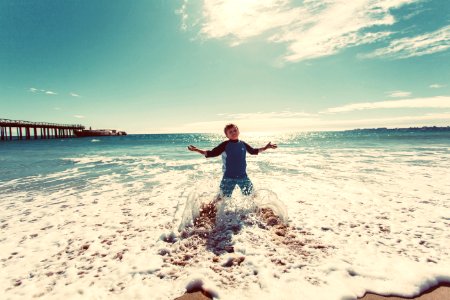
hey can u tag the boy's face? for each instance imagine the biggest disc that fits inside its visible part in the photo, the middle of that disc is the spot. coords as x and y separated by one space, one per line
232 133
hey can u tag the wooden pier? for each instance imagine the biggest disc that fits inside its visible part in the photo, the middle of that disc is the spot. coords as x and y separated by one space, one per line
35 130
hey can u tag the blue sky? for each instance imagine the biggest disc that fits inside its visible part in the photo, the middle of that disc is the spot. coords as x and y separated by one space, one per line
192 66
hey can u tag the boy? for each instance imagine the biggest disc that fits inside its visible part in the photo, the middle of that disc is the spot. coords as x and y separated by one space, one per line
234 164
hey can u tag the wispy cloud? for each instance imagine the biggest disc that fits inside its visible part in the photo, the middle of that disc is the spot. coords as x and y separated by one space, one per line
428 43
79 116
430 102
264 115
41 91
51 93
436 86
399 94
309 29
184 14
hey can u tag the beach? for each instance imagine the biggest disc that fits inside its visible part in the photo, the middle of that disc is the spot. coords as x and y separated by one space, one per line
104 218
439 292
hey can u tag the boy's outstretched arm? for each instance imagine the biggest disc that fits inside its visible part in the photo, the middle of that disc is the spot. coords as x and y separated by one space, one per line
268 146
195 149
255 151
210 153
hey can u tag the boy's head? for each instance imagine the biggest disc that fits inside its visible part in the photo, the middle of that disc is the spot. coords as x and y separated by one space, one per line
231 131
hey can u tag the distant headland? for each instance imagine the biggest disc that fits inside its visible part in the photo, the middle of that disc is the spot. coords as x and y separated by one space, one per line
423 128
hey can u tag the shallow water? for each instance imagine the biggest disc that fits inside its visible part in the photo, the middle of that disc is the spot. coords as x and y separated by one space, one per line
371 208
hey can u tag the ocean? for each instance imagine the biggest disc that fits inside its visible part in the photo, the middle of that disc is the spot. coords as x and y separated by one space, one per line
103 217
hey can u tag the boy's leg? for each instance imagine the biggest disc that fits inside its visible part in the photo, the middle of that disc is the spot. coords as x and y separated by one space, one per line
226 187
246 186
208 211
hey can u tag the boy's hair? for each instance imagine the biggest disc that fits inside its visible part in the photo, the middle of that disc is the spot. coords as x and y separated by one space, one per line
228 126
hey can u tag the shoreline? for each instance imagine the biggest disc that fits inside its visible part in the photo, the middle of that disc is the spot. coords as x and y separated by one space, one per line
437 292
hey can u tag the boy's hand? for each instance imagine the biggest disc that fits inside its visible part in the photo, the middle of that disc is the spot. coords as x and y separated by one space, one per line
195 149
270 146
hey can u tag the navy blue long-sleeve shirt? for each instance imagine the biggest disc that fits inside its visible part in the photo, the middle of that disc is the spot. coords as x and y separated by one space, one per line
233 157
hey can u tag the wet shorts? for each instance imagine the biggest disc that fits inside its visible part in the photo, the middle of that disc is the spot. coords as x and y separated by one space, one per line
227 186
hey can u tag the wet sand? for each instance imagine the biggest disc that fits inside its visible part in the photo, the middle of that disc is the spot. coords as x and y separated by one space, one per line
440 292
194 296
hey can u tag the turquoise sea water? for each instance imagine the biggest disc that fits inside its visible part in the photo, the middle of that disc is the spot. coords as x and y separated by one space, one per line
19 159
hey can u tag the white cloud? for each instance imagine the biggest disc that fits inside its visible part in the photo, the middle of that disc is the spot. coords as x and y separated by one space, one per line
428 43
310 28
244 19
79 116
57 108
184 15
307 124
430 102
41 91
264 115
399 94
48 92
291 121
436 86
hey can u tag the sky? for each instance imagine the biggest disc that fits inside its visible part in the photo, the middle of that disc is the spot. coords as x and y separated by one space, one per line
161 66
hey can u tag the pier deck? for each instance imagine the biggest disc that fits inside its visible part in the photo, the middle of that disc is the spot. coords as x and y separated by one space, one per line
28 130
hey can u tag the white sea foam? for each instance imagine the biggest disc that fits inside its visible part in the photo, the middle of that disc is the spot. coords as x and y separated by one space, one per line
371 219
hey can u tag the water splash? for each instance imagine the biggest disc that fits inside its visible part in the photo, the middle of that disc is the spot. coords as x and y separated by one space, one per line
238 205
265 198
